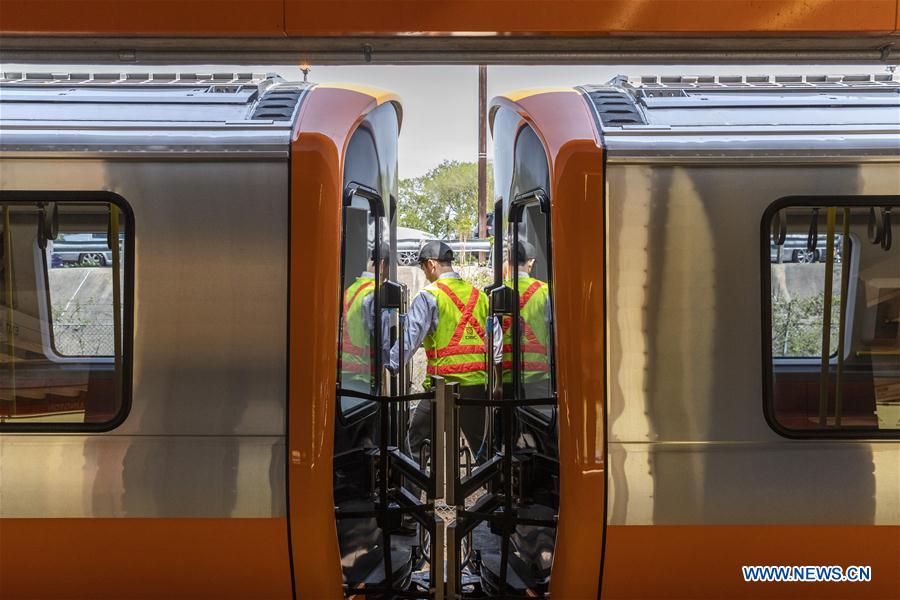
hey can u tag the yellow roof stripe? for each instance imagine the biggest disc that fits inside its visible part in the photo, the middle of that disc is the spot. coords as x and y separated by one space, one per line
519 94
381 96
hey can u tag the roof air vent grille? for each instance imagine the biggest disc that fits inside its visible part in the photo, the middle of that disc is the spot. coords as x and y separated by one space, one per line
614 108
277 104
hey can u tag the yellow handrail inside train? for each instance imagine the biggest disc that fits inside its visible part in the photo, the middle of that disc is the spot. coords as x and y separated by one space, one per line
826 317
842 317
8 300
117 293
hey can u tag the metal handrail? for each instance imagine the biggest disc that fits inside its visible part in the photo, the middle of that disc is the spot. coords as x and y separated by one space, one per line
842 317
826 317
113 240
8 300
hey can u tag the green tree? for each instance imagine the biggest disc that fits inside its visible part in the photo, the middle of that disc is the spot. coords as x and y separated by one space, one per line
444 201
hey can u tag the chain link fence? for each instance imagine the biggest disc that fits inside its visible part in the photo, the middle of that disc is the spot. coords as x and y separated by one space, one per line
80 339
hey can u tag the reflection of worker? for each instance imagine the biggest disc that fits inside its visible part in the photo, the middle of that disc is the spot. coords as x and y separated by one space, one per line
357 356
448 317
534 328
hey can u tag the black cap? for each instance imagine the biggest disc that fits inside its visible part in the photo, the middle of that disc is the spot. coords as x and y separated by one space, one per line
435 250
385 252
525 251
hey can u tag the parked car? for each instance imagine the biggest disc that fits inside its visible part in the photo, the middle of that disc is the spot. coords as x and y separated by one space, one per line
82 249
490 227
794 249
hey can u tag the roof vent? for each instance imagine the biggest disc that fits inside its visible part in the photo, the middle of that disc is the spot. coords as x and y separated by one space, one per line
277 104
614 108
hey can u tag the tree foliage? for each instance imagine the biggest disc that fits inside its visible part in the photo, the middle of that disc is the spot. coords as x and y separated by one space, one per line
444 201
797 326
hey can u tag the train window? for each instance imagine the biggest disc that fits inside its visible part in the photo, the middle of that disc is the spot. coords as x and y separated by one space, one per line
798 297
832 317
78 270
65 311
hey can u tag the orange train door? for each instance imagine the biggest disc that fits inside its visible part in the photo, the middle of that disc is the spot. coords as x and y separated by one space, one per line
530 517
342 134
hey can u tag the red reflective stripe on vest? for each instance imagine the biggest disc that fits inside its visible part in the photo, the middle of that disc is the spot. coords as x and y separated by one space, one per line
456 369
351 367
348 347
349 303
524 298
454 351
533 342
528 365
466 318
533 347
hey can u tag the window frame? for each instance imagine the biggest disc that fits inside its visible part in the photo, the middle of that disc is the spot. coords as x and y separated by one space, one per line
768 379
76 197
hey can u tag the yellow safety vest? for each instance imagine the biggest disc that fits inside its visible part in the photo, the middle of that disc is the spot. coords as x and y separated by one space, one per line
357 357
456 350
535 345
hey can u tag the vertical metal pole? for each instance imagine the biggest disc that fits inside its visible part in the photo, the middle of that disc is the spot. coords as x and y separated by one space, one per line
438 428
842 318
451 449
8 300
826 318
482 152
509 412
114 226
384 424
453 563
436 577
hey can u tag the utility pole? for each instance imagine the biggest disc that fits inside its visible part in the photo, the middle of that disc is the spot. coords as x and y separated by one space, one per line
482 151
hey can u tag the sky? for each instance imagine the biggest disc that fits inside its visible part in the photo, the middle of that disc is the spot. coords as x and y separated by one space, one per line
440 102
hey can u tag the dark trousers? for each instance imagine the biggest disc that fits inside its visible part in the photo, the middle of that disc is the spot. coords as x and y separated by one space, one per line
472 421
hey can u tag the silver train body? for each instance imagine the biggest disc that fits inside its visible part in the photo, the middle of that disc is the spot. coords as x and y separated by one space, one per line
686 189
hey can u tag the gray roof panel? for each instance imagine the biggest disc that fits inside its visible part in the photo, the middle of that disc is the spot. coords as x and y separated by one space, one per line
147 100
725 102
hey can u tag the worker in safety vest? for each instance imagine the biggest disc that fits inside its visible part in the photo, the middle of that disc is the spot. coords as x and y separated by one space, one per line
358 324
449 317
534 327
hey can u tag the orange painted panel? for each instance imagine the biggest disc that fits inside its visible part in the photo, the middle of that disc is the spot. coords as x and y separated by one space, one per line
591 17
144 558
562 121
191 18
327 120
704 561
384 17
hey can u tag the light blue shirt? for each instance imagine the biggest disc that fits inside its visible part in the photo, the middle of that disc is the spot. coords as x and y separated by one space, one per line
422 319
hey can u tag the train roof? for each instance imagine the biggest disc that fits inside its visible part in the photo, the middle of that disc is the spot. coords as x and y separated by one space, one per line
142 98
844 118
228 113
743 100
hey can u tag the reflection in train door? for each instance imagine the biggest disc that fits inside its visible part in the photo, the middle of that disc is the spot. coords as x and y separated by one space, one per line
548 293
344 181
505 531
382 496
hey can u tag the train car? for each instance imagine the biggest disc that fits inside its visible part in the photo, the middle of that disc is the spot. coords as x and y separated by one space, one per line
209 413
146 403
718 406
